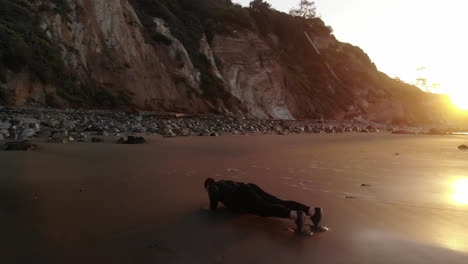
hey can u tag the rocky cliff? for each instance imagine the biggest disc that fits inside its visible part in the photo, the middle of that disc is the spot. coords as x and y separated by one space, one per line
203 56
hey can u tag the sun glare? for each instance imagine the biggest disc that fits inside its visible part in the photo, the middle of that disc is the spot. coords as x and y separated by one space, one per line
461 191
460 99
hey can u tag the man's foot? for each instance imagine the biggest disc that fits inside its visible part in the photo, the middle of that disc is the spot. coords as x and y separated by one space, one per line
300 222
317 217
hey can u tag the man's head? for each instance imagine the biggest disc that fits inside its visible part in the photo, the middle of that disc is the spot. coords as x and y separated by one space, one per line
209 182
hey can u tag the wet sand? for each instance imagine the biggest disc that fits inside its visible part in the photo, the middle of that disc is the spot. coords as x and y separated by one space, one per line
108 203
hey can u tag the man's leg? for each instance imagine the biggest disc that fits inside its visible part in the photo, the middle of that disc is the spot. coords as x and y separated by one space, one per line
274 200
255 204
315 213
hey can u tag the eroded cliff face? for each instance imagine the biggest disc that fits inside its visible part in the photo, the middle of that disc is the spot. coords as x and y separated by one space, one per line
253 74
103 42
108 49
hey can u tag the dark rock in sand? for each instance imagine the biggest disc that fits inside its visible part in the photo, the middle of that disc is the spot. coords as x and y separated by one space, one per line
463 147
365 185
371 129
131 140
403 132
20 146
62 140
436 132
97 140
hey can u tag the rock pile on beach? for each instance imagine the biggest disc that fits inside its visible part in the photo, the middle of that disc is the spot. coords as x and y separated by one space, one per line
63 126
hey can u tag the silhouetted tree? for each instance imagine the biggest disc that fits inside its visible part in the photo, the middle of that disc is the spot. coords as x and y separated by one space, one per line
306 9
260 6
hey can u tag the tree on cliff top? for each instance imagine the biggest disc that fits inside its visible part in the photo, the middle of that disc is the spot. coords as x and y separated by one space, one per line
306 9
260 6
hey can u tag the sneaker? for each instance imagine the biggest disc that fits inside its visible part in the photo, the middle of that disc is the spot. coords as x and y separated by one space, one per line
317 217
300 222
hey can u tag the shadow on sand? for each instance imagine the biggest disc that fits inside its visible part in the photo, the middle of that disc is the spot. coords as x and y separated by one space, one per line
204 236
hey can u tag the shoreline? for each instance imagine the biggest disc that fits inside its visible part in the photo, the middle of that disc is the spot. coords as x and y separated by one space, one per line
65 126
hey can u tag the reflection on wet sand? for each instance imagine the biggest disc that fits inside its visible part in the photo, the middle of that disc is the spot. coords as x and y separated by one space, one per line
460 195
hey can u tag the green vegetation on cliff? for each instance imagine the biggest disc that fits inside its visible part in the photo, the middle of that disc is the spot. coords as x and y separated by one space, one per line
24 45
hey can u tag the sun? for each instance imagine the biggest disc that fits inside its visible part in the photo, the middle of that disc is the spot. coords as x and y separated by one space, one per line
460 99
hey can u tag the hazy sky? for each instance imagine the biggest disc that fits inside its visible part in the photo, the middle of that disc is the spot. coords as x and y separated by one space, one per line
401 36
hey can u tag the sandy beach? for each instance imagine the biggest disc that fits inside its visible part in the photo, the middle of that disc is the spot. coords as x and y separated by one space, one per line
110 203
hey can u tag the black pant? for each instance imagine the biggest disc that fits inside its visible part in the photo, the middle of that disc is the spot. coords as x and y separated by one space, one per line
258 202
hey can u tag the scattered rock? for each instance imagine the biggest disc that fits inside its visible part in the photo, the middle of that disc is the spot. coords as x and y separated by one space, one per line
24 145
18 122
233 170
131 140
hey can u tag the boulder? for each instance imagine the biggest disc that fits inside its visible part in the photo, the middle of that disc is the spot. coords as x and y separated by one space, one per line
52 123
131 140
27 133
5 125
463 147
69 125
24 145
436 132
371 129
45 133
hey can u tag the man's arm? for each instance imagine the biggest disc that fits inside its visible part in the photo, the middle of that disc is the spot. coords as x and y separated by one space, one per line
213 194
